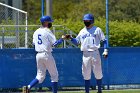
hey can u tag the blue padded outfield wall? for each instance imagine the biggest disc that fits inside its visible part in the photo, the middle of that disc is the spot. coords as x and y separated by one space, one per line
18 67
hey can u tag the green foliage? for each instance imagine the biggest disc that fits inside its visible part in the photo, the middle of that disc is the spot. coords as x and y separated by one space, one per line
124 10
33 7
124 16
120 33
75 9
75 26
124 33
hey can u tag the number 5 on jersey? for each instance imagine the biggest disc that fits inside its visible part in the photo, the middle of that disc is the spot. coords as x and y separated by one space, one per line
39 39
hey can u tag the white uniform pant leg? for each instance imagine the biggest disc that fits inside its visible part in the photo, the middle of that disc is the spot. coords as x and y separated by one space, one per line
45 61
86 66
96 65
41 67
52 69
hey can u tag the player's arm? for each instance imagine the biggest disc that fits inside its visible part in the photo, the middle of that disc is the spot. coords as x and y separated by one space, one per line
74 41
57 42
33 44
104 41
53 40
105 53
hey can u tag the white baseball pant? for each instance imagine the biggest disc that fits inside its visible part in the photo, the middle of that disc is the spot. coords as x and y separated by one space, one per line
91 62
45 61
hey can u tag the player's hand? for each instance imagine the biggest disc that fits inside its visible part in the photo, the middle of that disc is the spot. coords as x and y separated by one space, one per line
67 36
105 53
63 37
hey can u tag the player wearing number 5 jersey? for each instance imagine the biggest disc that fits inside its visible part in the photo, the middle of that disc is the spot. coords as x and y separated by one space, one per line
90 37
44 39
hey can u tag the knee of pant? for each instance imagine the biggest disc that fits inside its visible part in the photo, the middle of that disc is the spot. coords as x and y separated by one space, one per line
54 78
86 76
40 78
99 76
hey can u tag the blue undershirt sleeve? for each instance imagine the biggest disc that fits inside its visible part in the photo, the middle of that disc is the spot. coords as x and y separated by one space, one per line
58 42
105 44
74 41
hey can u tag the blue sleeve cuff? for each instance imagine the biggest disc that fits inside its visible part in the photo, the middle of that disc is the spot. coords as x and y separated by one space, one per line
74 41
105 44
58 42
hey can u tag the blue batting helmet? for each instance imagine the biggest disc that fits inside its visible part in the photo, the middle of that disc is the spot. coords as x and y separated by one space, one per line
46 19
88 17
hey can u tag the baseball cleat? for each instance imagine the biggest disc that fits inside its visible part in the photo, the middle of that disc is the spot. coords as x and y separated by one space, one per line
25 89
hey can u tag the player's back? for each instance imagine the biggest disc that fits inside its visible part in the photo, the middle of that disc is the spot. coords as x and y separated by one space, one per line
43 39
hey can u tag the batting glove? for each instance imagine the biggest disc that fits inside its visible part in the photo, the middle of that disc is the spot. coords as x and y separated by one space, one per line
105 53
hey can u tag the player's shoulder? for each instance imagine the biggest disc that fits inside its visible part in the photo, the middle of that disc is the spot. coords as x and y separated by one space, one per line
82 30
48 30
37 30
98 29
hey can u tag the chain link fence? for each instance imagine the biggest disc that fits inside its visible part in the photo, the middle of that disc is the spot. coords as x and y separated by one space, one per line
10 39
12 16
16 33
9 35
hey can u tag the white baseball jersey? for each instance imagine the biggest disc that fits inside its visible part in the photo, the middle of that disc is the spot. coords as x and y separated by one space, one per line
90 38
43 39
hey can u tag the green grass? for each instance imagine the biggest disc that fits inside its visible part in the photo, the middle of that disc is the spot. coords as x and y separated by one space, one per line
105 91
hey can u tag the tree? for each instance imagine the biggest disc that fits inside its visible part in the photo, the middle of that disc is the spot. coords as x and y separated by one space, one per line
124 10
33 8
75 9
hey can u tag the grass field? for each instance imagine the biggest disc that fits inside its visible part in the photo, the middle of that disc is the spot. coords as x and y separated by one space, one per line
82 91
94 91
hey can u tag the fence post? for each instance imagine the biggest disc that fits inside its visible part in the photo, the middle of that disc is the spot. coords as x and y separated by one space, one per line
54 30
2 45
26 33
17 29
108 76
107 36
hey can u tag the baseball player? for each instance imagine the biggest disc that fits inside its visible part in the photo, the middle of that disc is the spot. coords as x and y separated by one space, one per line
90 37
44 39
